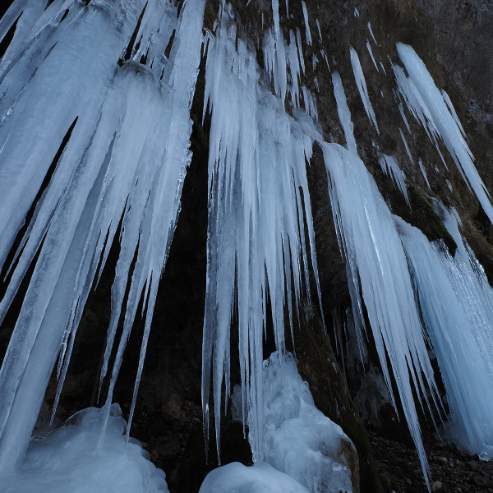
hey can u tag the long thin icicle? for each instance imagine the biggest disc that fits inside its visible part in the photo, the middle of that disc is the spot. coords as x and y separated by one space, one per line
359 76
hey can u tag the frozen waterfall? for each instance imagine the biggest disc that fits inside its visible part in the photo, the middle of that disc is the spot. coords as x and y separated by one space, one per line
95 127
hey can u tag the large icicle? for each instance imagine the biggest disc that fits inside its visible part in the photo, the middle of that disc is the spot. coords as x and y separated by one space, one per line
125 154
433 108
378 276
259 207
457 306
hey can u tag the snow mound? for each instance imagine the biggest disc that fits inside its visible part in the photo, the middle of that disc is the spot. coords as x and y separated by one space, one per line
72 459
259 478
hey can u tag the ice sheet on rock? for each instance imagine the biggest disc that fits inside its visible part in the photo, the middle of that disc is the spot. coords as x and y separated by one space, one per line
433 108
390 166
68 460
456 302
259 478
259 207
359 76
298 439
126 128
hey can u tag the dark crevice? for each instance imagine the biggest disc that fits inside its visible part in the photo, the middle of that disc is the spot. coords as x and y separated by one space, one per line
4 6
167 50
64 15
130 47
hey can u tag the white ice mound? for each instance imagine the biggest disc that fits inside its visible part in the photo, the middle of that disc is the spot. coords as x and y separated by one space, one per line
259 478
70 461
299 439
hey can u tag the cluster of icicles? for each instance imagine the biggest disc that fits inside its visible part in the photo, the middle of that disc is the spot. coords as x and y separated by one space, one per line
95 131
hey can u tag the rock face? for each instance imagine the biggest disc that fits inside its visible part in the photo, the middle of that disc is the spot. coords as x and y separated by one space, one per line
455 39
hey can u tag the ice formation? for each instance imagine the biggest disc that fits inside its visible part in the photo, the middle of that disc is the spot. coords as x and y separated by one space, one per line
95 124
299 440
372 56
457 305
390 167
378 276
379 280
259 478
434 110
422 170
118 139
68 460
259 206
362 87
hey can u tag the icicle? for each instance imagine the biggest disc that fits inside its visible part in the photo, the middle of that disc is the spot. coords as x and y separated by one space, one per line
435 111
308 33
343 112
319 29
372 56
378 276
456 301
406 146
422 169
370 30
116 161
390 167
404 118
257 218
362 88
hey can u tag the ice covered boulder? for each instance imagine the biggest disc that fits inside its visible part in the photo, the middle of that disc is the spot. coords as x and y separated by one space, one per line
299 440
259 478
70 461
